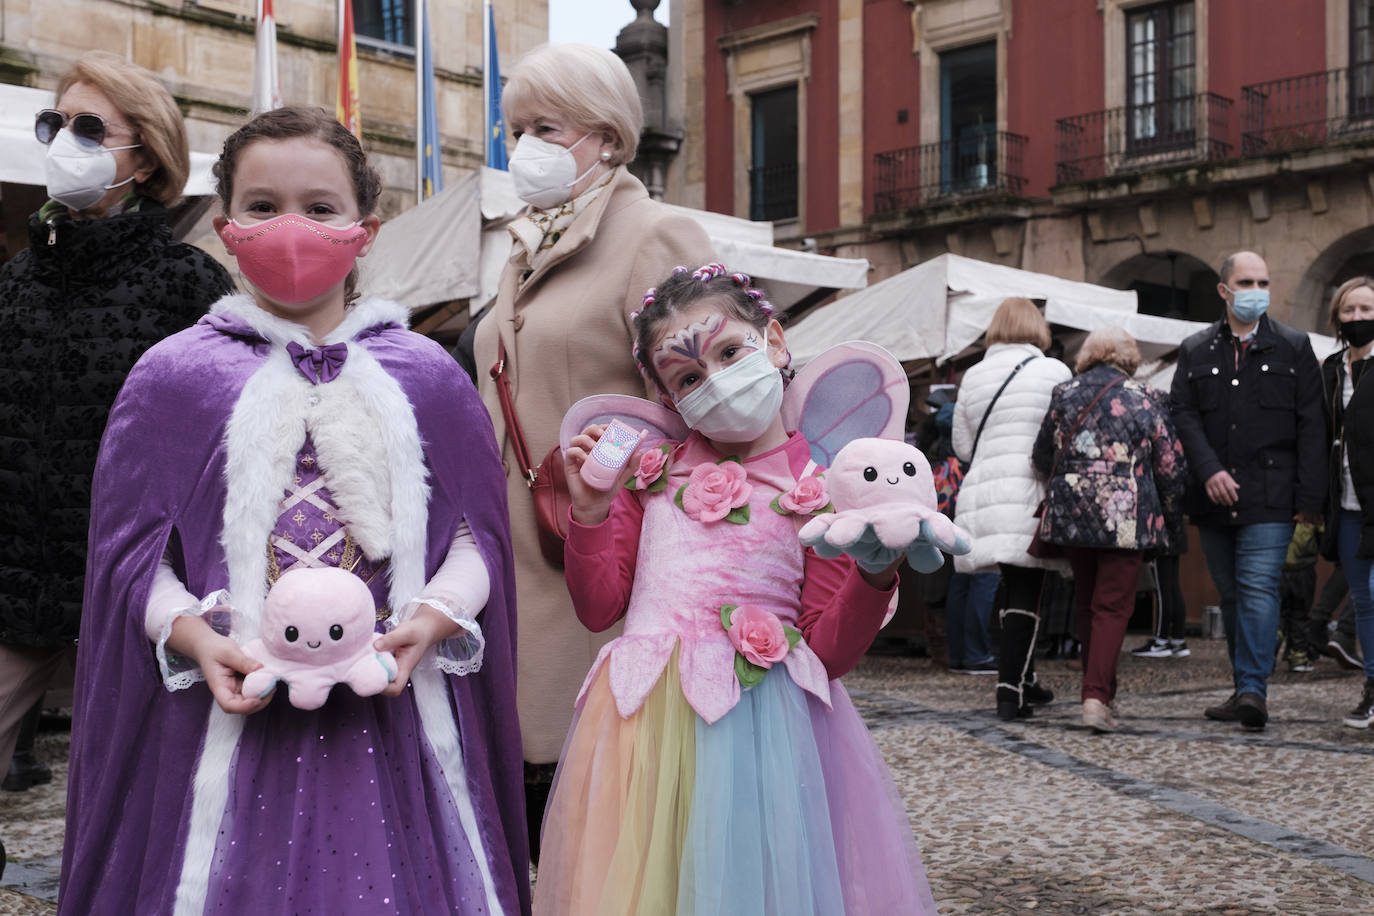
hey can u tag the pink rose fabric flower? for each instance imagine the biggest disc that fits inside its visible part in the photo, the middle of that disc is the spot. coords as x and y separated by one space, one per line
651 465
758 635
809 495
714 490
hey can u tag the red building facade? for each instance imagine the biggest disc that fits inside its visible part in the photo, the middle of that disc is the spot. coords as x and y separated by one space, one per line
1128 142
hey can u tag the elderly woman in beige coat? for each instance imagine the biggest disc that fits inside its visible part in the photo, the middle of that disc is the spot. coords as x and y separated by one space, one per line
590 244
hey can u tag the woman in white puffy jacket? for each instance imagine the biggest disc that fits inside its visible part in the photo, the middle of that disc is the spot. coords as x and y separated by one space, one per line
1000 491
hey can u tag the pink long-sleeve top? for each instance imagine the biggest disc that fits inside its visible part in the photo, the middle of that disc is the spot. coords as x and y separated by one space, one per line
668 574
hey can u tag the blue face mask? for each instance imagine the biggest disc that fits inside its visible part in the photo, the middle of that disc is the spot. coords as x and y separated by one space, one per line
1249 304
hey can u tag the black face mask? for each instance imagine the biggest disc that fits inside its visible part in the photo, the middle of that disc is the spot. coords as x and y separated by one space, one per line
1358 333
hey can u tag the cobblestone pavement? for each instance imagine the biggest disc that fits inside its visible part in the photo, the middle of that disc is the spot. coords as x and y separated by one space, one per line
1172 814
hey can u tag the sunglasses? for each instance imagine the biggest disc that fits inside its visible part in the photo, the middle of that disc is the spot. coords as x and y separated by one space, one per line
88 129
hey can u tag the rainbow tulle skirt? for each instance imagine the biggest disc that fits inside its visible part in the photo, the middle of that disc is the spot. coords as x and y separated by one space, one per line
783 807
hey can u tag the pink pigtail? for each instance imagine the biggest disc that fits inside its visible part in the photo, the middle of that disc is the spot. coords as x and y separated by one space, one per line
764 305
650 295
708 272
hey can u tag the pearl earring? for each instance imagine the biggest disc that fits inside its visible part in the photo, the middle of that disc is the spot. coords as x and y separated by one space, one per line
606 157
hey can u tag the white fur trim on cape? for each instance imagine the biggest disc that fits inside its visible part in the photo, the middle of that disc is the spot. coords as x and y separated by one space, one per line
265 432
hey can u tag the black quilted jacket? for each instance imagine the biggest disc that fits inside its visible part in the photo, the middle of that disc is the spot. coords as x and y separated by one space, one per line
77 309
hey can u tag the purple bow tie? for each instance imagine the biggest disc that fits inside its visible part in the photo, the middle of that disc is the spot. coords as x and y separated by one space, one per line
318 364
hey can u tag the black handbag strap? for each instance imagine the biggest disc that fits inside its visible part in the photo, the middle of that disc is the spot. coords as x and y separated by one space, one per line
992 404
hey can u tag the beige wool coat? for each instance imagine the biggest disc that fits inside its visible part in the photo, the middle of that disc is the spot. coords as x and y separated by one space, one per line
567 333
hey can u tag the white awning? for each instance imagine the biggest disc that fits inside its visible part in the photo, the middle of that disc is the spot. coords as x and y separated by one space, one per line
936 309
428 254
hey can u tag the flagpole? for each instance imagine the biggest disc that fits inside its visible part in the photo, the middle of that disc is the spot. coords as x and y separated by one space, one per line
419 100
486 79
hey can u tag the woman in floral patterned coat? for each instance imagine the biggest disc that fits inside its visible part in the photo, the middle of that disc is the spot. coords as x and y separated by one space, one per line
1116 471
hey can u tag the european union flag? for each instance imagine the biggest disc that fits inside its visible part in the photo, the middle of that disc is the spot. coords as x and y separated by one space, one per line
433 171
496 127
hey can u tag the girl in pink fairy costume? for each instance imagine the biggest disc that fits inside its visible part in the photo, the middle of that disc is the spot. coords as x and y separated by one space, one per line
714 764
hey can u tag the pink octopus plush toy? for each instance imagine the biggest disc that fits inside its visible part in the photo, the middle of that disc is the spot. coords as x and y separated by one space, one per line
317 631
885 506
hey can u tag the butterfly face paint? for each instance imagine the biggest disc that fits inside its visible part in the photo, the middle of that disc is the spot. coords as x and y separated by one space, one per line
686 347
718 373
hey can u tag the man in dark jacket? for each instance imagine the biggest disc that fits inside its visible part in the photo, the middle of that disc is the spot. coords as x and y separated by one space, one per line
1247 403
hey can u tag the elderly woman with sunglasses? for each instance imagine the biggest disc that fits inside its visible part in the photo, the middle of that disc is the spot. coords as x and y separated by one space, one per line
101 281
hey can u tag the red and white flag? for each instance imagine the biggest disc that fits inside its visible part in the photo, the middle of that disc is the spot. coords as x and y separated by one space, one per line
266 84
346 107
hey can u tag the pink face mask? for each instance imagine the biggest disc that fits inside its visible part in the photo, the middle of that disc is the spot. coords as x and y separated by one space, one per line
292 258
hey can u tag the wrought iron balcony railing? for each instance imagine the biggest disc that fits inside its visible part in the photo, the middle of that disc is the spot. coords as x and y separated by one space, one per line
1302 112
773 192
986 162
1139 138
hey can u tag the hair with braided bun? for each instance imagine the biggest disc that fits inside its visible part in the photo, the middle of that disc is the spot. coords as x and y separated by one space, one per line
684 289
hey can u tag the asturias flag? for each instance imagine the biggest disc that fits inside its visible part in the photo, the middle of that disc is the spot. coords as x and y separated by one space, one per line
346 108
496 135
266 85
433 171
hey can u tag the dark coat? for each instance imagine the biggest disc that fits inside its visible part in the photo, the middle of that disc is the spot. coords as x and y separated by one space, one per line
1350 427
1121 473
1257 414
77 309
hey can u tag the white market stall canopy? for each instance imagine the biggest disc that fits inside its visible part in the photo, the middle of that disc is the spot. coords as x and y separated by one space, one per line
937 309
791 277
21 155
412 251
428 253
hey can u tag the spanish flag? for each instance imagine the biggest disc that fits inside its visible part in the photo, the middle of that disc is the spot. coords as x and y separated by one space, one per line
346 108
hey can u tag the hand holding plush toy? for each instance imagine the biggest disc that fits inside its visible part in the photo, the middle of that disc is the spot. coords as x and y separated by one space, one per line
885 506
317 632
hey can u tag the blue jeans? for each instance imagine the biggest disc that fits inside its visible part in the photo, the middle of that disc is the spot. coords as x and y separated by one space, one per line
1245 562
1358 573
968 613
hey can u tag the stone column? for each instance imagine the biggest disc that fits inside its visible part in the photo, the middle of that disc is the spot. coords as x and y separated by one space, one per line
643 45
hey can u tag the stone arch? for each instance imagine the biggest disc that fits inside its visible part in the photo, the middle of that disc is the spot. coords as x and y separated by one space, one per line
1171 283
1348 256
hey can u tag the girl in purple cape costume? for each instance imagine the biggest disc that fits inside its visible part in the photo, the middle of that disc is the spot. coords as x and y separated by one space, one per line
407 805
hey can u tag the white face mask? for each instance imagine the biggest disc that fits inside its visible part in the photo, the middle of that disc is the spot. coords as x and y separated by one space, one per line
738 403
544 173
78 176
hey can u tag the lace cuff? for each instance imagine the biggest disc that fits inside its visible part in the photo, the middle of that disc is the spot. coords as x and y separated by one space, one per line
178 671
460 654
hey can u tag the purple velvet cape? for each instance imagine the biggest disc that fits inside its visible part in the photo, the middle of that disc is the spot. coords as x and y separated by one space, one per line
135 746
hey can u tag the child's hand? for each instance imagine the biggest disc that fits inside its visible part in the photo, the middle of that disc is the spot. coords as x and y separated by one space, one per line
883 579
411 640
221 661
590 506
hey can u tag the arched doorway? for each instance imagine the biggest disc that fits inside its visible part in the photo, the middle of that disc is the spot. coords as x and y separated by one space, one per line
1169 283
1349 256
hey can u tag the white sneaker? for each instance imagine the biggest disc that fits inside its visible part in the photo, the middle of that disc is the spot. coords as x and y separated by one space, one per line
1155 648
1178 649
